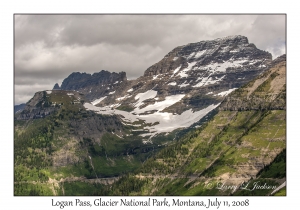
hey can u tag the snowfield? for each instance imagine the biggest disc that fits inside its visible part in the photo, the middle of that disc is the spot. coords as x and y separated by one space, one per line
144 96
161 105
167 121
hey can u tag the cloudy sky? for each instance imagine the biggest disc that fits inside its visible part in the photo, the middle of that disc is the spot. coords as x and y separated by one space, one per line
48 48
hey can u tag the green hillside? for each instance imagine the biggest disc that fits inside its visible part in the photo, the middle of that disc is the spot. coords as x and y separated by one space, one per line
71 144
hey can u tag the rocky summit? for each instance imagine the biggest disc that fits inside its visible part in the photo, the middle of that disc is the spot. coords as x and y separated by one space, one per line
56 87
233 53
94 85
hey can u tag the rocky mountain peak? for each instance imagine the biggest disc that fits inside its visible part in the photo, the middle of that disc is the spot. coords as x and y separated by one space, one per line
45 102
77 80
236 39
56 87
203 53
93 85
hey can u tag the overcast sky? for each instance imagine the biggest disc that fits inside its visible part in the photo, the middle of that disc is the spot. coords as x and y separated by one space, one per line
48 48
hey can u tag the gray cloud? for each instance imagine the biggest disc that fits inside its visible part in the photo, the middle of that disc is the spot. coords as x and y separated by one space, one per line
50 47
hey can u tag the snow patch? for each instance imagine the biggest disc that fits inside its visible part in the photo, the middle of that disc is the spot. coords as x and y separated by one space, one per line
208 81
144 96
113 92
183 73
225 49
161 105
200 53
184 84
128 117
172 83
155 77
121 98
221 67
114 105
175 71
98 100
191 55
130 90
117 135
225 93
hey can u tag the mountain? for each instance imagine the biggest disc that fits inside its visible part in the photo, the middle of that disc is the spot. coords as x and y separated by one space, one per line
47 102
19 108
95 85
56 87
189 82
185 117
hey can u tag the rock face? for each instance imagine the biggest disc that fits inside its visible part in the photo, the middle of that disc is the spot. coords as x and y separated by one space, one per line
208 68
44 103
268 92
234 53
94 85
37 107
